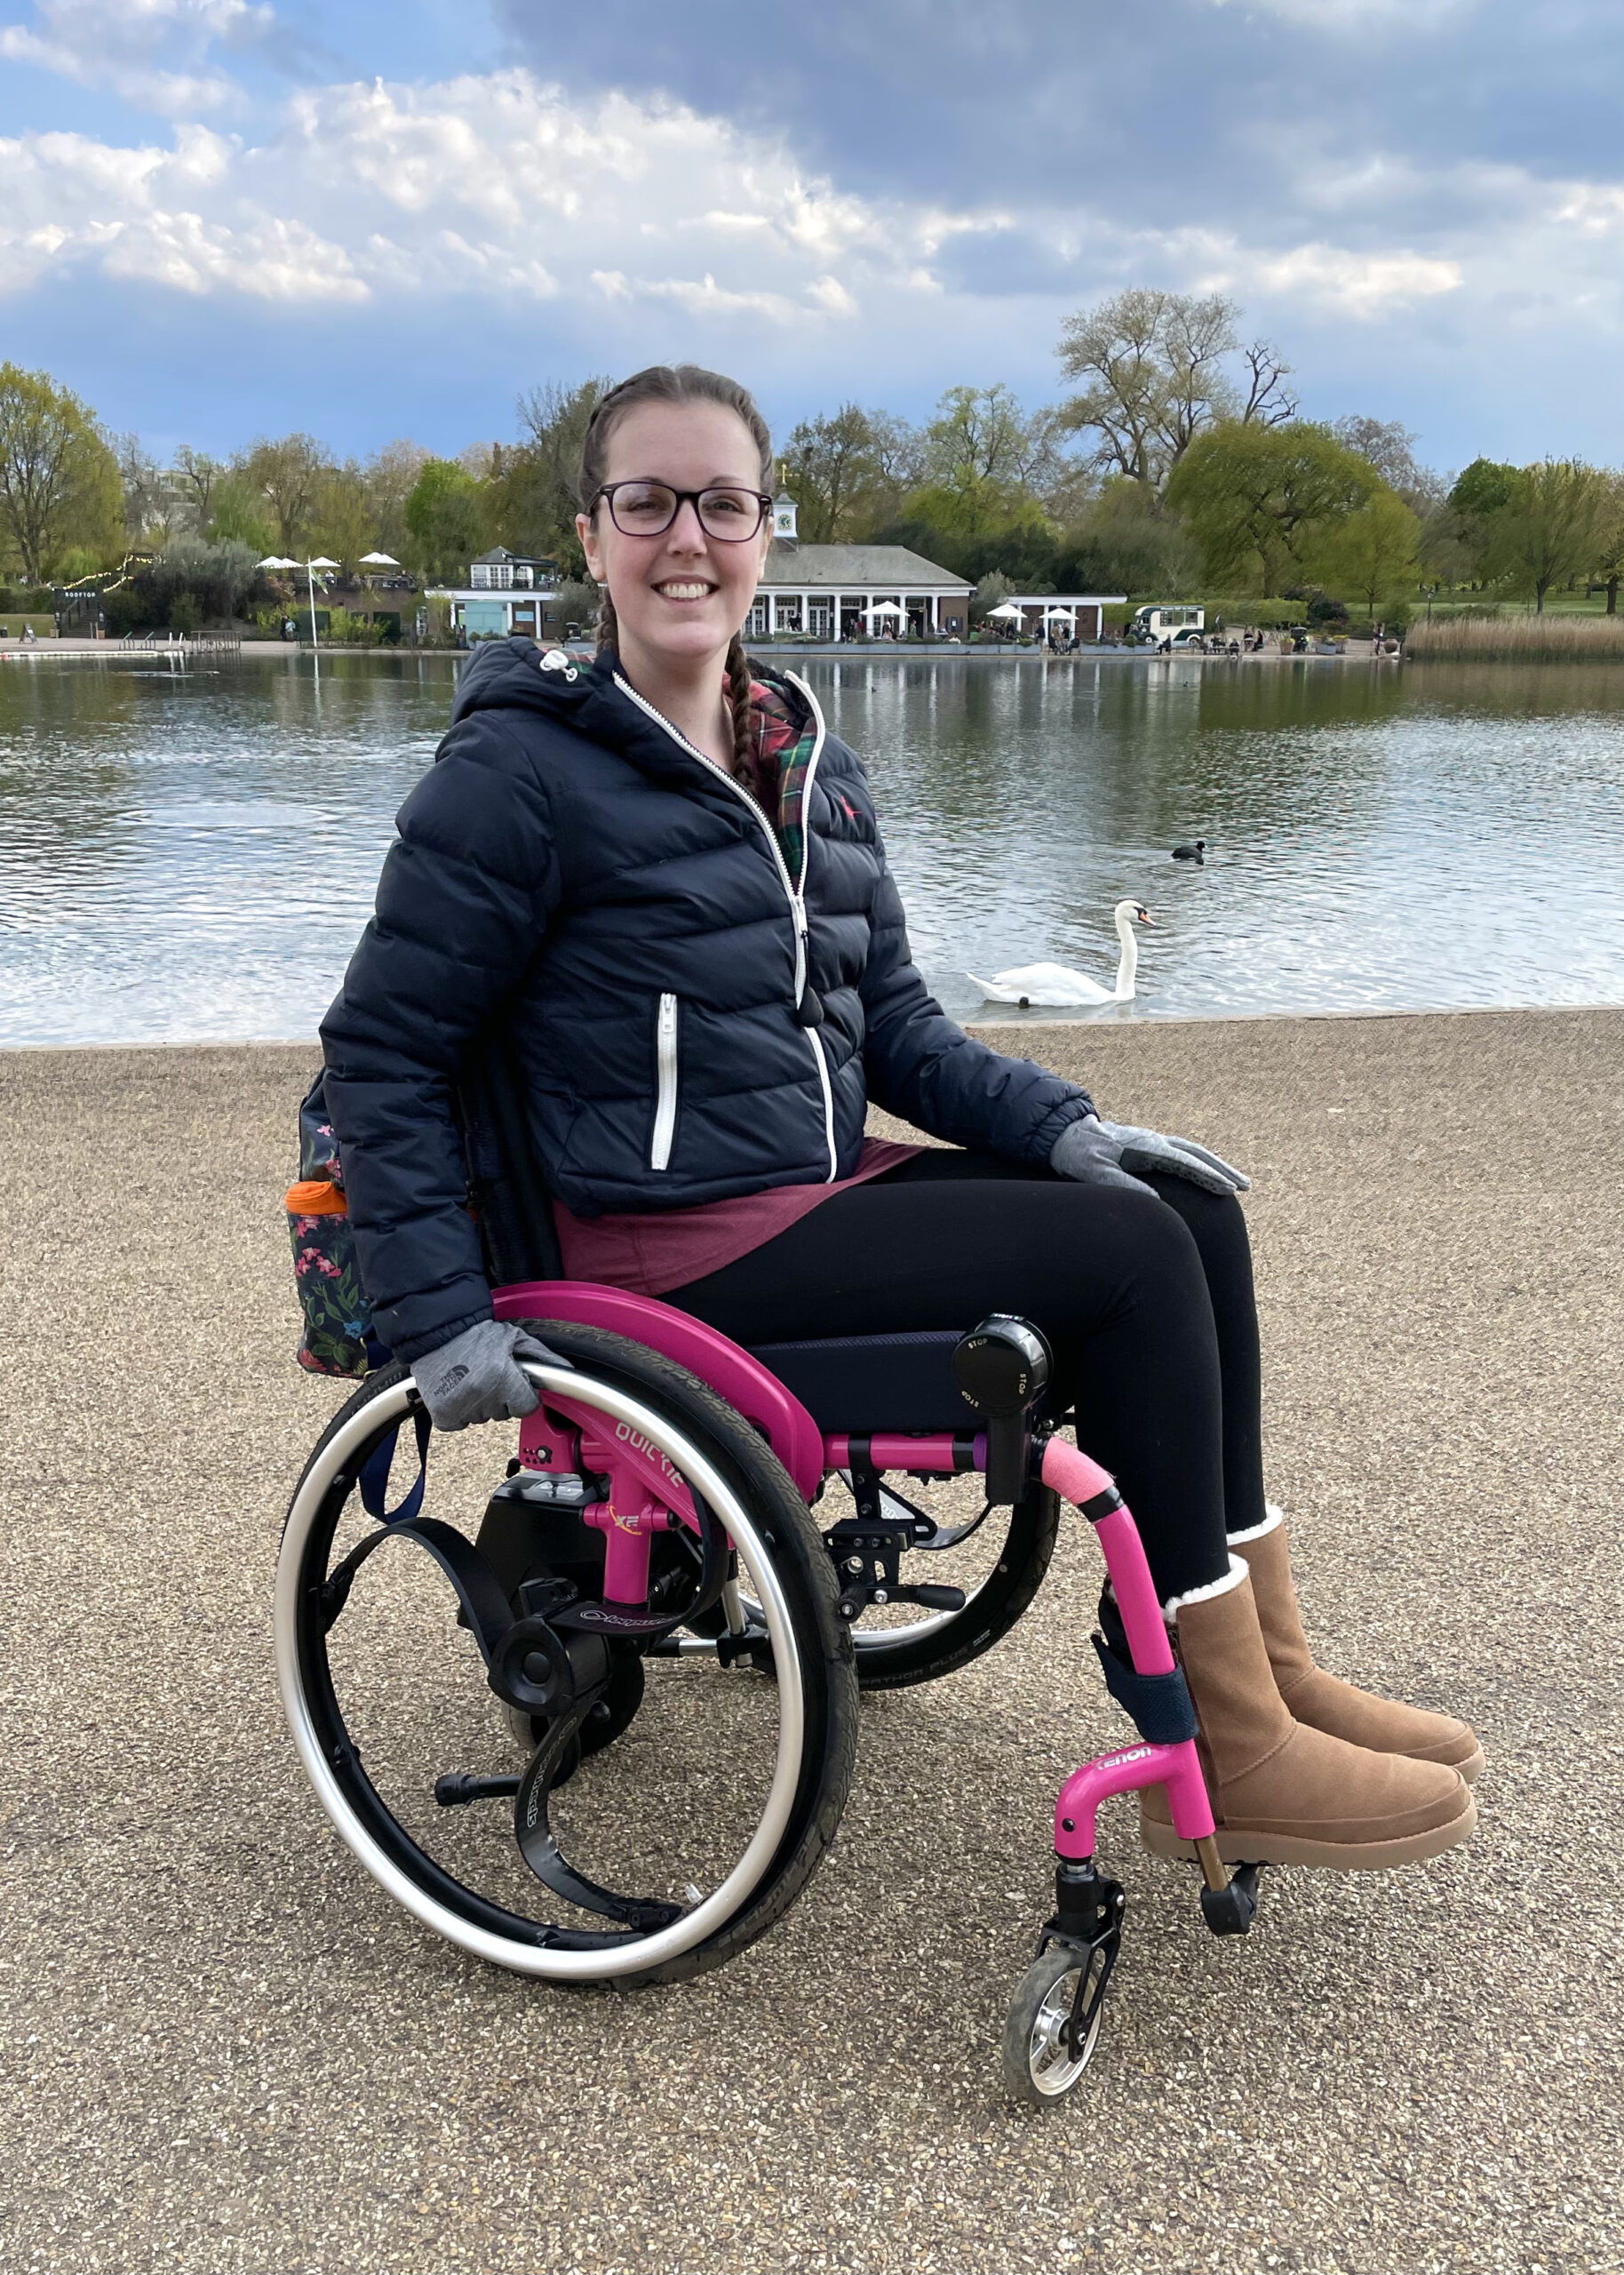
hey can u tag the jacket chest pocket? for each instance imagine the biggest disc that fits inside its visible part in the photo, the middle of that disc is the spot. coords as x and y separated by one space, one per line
666 1080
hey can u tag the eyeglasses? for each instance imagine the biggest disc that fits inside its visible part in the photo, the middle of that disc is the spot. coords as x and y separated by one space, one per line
649 509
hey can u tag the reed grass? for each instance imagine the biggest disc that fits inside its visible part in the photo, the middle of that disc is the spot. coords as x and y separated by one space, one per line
1519 639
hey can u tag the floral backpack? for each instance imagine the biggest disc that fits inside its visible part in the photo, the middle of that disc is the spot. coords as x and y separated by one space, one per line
338 1337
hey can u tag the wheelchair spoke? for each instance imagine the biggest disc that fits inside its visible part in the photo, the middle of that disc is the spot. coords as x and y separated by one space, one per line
402 1674
541 1852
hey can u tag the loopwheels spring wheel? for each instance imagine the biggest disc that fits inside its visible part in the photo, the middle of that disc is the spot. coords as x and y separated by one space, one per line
688 1835
1053 2022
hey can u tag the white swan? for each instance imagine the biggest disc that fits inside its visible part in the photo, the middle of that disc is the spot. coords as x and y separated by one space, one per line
1054 987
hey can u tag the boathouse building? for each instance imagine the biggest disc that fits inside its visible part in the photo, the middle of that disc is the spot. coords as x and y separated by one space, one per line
807 592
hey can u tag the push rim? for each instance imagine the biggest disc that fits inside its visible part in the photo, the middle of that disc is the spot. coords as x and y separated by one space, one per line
358 1812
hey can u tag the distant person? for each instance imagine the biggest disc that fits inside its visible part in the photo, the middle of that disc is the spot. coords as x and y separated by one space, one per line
531 900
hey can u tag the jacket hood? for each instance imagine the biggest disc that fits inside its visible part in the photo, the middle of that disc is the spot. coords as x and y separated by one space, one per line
516 674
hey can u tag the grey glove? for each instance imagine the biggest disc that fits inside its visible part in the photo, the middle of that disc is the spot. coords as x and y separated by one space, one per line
476 1376
1093 1152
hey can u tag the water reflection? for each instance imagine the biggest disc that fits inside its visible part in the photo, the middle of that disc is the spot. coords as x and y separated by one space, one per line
192 855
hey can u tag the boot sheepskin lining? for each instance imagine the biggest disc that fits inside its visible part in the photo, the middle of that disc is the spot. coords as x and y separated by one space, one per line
1273 1520
1238 1571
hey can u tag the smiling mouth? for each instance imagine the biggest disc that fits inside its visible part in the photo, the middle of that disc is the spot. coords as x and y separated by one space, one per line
684 588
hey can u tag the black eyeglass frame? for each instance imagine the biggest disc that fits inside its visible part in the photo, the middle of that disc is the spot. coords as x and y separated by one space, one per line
606 490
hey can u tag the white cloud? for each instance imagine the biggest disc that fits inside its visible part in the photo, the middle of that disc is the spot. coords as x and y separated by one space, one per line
1357 24
495 183
1365 285
499 187
133 47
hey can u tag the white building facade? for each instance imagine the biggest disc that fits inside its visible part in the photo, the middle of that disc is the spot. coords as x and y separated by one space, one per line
853 592
1075 616
505 593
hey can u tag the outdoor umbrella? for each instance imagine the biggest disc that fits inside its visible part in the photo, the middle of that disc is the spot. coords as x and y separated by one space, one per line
379 561
1008 609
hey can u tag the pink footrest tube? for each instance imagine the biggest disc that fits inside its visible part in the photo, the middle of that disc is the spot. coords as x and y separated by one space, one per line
1071 1473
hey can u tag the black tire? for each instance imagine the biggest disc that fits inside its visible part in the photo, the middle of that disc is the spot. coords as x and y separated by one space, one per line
923 1652
1038 2070
796 1557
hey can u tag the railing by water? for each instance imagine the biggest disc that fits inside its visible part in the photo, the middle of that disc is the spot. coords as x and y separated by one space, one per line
189 643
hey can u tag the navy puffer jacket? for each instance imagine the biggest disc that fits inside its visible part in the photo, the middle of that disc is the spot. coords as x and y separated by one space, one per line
684 1017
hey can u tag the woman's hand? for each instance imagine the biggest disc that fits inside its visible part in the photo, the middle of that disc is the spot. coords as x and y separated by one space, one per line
1092 1152
476 1376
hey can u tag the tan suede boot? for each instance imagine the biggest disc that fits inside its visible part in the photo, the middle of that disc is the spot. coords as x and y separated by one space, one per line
1321 1700
1283 1793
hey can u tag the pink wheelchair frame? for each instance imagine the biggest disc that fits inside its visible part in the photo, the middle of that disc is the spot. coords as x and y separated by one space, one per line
642 1501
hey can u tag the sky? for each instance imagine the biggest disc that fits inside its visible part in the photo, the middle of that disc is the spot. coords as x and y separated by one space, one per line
223 217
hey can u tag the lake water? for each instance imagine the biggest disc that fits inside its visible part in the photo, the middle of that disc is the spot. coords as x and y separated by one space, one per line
191 856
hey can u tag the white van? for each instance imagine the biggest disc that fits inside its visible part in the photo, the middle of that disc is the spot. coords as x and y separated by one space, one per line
1152 626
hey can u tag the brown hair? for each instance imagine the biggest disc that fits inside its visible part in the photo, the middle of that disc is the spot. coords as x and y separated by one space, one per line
676 383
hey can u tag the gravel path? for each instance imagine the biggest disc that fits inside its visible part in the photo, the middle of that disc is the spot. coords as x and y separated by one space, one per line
221 2048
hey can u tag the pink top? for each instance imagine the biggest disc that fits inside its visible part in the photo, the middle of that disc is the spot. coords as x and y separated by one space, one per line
650 1251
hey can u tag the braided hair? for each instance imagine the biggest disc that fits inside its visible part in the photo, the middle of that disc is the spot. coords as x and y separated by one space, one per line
677 383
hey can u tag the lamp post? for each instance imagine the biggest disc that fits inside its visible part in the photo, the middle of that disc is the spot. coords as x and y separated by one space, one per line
278 561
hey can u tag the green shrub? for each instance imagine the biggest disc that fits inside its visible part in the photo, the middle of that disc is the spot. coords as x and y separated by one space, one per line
129 608
346 629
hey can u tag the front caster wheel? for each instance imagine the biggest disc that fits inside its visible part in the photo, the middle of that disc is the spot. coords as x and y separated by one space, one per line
1053 2022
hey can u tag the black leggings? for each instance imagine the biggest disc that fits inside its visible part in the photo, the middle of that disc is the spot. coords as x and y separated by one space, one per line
1146 1298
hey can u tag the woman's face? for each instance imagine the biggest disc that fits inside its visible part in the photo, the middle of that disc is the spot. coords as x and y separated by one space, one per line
680 596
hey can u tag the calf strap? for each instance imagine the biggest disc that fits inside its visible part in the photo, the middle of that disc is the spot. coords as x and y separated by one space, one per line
1158 1705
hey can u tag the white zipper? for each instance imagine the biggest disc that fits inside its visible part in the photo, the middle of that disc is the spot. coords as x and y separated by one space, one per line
796 896
665 1094
817 1041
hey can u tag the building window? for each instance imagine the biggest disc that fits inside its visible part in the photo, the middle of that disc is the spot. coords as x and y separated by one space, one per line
787 612
820 618
755 623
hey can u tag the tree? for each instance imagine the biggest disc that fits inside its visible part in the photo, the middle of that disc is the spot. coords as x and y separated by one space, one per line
342 524
288 476
59 480
1609 561
1269 400
153 505
1483 488
1373 551
1126 540
1256 498
833 468
983 461
1548 530
389 480
194 475
237 511
1459 534
1153 365
533 488
1390 449
446 518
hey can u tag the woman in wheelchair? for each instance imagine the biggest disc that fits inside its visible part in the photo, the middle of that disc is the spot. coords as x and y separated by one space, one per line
638 913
